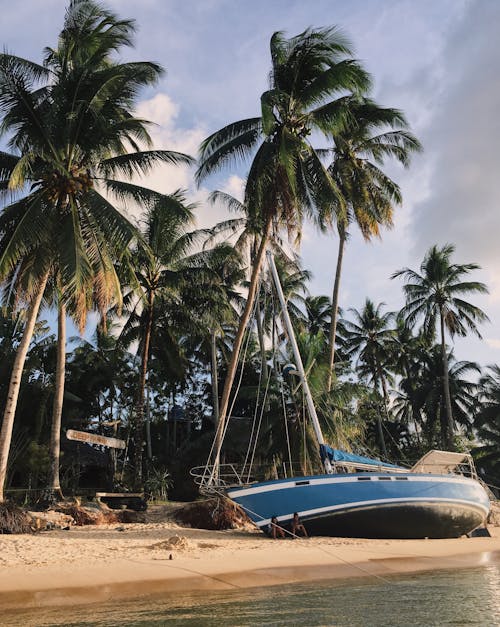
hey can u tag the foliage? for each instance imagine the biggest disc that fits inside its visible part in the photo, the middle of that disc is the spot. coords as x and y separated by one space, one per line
158 483
74 146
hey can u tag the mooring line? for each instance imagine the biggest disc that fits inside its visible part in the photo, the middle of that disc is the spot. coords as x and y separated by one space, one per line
329 553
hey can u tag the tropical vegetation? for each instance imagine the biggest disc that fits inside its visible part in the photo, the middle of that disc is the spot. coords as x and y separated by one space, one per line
186 330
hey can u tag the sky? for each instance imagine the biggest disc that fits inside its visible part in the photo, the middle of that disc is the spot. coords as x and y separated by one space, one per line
436 60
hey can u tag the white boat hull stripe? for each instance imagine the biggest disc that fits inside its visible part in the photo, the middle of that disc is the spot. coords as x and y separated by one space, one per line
286 485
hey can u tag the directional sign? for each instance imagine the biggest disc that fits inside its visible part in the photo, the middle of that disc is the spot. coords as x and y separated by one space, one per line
92 438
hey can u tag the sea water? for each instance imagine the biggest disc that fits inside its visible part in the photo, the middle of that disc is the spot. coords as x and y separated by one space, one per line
459 597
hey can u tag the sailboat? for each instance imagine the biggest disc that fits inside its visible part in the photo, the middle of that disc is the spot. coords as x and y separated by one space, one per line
357 496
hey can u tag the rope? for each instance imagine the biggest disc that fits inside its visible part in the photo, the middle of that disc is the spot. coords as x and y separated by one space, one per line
286 427
241 359
254 420
275 349
258 427
320 548
403 456
490 485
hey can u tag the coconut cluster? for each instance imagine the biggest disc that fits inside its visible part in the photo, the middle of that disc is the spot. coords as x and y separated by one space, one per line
58 184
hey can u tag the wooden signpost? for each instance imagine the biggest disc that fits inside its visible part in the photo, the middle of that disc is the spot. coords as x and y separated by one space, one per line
92 438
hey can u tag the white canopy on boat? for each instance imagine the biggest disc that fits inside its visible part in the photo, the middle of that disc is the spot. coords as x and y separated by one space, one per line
440 462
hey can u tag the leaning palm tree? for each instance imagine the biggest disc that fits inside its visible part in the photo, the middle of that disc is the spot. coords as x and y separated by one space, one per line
72 135
245 233
309 78
368 338
436 295
372 135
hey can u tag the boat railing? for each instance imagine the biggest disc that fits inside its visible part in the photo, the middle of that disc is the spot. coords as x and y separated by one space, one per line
211 479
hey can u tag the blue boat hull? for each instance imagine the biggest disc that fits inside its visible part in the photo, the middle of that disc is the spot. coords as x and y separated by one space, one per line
370 505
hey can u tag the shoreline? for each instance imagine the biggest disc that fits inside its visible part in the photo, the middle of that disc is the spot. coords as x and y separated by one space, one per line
109 563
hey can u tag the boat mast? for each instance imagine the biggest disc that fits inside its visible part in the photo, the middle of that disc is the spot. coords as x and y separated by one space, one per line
298 360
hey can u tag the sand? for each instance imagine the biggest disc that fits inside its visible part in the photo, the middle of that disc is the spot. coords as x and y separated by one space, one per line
111 562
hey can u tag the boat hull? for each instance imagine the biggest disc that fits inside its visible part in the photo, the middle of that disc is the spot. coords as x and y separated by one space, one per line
370 505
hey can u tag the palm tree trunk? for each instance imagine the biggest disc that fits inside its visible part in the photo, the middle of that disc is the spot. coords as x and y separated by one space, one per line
260 332
446 384
215 376
55 434
231 372
139 409
335 309
149 445
15 382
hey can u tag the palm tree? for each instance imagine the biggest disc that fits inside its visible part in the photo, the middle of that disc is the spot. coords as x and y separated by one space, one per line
368 338
286 179
487 423
160 261
431 398
318 312
407 355
244 231
215 305
71 133
436 295
372 134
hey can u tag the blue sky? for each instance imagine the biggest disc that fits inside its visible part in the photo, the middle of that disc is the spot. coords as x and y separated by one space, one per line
437 60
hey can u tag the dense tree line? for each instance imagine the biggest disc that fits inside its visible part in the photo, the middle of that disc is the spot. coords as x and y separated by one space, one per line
185 315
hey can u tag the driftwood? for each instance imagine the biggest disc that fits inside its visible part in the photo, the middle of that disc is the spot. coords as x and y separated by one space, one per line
98 515
214 514
13 519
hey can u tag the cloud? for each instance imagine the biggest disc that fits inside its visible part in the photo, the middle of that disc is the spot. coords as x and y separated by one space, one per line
167 134
235 186
463 205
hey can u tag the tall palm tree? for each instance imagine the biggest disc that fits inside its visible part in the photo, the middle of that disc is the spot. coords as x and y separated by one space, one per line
368 338
245 232
160 261
216 305
71 134
371 135
286 180
436 295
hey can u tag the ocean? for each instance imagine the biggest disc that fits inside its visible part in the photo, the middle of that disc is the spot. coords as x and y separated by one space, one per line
458 597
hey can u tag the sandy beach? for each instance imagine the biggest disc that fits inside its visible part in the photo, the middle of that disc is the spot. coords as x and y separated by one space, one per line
112 562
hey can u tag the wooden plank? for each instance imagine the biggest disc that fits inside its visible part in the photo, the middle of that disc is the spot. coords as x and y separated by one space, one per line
93 438
138 495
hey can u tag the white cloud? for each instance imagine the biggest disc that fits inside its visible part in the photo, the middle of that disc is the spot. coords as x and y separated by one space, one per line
169 135
235 186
